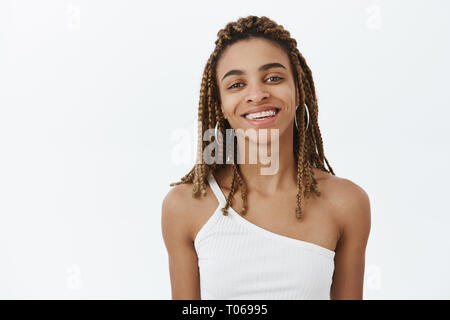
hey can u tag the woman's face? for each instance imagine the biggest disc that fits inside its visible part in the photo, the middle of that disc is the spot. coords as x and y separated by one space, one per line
254 75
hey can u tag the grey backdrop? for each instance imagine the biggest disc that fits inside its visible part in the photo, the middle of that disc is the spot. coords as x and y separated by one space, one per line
98 104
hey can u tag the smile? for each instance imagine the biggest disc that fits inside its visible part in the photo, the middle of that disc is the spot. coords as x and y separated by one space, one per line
262 118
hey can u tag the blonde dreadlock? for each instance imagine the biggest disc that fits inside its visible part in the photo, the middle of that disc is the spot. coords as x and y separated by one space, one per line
308 145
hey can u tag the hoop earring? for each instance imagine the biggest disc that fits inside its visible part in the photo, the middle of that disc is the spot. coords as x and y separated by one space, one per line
216 135
215 131
307 117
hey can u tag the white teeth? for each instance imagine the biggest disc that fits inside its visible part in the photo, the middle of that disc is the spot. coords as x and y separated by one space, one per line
268 113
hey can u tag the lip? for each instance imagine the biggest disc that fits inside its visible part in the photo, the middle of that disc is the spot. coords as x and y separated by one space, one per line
260 109
265 122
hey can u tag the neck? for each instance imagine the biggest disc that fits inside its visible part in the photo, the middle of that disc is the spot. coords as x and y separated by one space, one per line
274 168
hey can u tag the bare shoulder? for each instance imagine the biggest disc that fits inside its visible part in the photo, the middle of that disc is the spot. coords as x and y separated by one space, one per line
178 208
175 212
181 211
342 191
350 203
350 206
177 196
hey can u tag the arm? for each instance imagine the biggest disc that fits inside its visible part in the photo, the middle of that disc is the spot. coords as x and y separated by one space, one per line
354 217
183 266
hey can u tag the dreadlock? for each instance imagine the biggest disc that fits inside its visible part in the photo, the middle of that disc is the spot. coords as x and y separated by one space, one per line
308 145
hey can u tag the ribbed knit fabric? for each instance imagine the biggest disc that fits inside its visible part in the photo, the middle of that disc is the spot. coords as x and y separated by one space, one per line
240 260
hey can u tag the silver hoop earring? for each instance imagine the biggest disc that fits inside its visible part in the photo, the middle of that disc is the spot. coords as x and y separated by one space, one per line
216 135
215 131
307 117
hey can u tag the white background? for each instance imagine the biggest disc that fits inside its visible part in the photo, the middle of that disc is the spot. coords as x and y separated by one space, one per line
98 105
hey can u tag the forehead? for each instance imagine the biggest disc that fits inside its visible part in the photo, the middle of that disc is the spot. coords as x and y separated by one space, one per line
249 54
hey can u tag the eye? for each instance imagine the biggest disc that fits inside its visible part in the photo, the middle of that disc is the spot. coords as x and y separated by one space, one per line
275 77
233 85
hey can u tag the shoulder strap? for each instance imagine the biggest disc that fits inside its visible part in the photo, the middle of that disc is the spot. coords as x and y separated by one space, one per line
216 189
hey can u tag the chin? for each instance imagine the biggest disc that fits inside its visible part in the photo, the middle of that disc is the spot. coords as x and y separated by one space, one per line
259 135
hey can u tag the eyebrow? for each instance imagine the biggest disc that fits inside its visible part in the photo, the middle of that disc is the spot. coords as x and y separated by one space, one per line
262 68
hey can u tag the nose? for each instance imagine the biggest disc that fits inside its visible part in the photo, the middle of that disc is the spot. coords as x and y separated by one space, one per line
256 94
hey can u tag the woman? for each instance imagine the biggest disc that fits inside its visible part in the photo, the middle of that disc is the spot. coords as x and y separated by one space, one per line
299 232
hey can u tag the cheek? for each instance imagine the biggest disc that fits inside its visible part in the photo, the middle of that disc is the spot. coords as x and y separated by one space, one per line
288 92
229 104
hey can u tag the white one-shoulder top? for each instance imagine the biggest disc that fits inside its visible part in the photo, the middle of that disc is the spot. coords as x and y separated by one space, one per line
240 260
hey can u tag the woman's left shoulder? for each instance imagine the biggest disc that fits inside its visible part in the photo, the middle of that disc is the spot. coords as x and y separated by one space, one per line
350 202
341 189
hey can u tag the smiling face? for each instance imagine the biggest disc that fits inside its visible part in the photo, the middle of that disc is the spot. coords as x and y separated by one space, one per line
254 76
